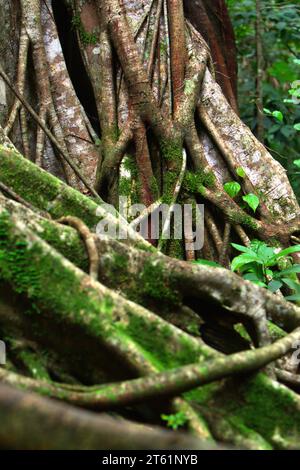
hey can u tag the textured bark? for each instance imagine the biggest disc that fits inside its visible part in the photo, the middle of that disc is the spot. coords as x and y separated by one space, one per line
211 19
112 322
138 85
144 315
66 102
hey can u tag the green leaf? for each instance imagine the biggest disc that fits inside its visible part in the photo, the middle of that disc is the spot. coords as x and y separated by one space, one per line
207 263
278 115
288 251
252 200
240 172
292 285
176 420
265 253
293 298
243 249
297 163
242 260
286 272
274 285
255 279
232 188
267 111
297 126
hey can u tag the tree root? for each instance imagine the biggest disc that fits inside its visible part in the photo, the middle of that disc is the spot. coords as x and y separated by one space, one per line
89 240
31 422
167 384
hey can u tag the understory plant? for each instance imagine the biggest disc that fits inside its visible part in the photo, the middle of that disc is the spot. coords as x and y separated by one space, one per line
266 266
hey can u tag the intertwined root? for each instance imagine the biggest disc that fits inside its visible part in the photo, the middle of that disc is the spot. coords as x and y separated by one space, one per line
168 93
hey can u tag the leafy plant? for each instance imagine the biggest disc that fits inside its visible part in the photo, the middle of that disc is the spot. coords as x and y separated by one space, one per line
280 78
260 263
240 172
176 420
276 114
252 200
266 266
232 188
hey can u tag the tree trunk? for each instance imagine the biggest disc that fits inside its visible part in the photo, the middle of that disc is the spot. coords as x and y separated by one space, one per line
137 98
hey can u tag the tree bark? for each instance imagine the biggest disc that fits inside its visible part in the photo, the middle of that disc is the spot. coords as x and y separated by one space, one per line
162 75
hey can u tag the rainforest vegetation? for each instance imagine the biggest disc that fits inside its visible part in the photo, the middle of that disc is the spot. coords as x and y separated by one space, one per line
149 224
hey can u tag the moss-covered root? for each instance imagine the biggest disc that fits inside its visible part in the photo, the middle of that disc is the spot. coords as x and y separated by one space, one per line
63 294
166 384
160 283
29 422
136 341
47 193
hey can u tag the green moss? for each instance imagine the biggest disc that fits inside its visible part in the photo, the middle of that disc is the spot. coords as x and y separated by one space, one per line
34 365
16 263
171 150
170 179
131 186
243 219
47 283
194 180
117 272
176 249
26 179
155 285
85 37
44 191
268 408
125 186
68 243
147 248
154 187
129 164
156 340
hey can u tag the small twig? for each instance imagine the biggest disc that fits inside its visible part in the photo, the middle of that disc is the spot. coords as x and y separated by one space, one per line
89 240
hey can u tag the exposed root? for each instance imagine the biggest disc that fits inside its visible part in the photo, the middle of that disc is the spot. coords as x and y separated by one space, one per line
68 428
89 240
288 378
49 134
167 384
21 74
